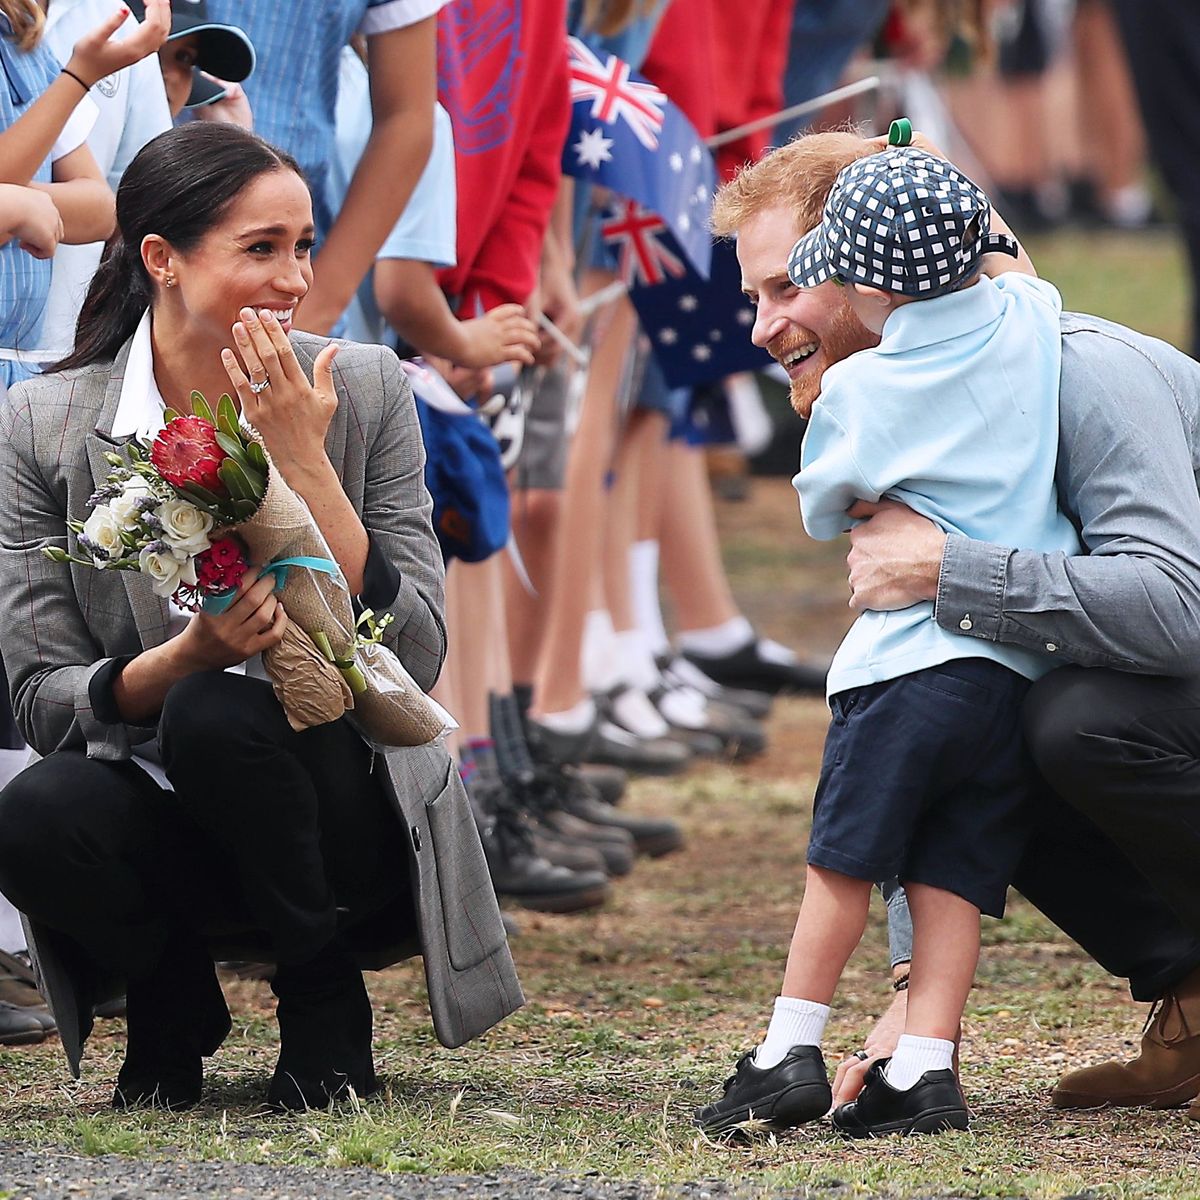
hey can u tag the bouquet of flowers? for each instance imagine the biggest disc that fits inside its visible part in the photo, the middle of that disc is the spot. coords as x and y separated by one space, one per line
201 505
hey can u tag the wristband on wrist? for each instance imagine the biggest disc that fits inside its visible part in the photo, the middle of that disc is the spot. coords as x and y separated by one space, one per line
901 984
66 71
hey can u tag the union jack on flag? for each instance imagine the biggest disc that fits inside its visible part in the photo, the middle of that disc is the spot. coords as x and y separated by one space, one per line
628 137
615 96
636 235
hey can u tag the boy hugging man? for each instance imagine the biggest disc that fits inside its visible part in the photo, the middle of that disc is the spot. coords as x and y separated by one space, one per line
955 414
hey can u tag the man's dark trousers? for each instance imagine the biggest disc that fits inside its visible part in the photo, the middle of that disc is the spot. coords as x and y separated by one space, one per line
1114 860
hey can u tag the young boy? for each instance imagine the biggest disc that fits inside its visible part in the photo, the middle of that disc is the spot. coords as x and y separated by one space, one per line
954 414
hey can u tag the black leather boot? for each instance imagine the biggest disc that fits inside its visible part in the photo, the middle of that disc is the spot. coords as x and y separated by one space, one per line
175 1017
325 1028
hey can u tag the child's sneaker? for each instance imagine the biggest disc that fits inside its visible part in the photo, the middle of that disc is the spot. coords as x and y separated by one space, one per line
932 1105
791 1092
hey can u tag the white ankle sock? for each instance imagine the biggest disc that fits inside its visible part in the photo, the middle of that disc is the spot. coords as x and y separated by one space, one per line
793 1023
718 640
916 1055
572 720
632 710
635 661
643 578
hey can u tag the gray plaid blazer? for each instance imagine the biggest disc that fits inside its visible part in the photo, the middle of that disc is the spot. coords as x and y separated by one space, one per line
61 624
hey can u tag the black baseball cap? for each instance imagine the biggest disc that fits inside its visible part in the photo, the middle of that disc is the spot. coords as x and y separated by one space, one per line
224 50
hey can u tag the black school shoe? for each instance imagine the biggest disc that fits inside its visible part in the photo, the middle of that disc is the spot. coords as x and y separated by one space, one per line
791 1092
932 1105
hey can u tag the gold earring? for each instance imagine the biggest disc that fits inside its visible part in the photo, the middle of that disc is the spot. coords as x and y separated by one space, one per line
169 280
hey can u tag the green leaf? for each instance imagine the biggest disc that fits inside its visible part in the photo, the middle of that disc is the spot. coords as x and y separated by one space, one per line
201 495
234 448
56 554
246 509
169 415
200 408
114 460
258 457
227 418
321 641
257 482
234 478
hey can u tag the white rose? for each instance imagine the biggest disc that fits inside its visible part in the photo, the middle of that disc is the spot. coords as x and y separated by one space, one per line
166 572
185 528
103 532
125 509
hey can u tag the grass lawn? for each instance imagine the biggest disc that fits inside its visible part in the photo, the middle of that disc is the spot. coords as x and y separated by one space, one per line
637 1012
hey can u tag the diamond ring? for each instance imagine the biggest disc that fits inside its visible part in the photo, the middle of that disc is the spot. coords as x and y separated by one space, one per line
256 388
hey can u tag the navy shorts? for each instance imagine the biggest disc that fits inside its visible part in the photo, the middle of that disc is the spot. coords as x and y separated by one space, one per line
926 777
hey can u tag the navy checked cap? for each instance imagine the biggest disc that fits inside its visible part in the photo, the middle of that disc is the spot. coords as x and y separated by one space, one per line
903 221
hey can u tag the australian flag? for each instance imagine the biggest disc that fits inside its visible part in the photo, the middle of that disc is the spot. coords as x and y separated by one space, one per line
699 329
627 136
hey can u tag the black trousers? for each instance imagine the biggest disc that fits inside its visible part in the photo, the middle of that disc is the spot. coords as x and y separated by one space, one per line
1162 39
286 834
1115 859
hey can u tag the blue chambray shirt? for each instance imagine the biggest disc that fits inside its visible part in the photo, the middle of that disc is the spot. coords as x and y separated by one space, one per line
24 280
954 413
293 91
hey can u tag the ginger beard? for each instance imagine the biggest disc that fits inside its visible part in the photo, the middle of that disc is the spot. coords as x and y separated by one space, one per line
844 335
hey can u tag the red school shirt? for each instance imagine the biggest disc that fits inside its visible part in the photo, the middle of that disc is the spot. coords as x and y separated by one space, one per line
502 76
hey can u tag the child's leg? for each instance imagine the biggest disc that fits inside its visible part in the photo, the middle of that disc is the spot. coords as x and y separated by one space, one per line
829 927
945 953
832 918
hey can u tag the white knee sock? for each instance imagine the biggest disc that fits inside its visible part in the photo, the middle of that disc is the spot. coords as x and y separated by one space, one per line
643 578
916 1055
793 1023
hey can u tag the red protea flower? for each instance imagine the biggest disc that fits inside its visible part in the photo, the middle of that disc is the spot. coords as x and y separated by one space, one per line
186 451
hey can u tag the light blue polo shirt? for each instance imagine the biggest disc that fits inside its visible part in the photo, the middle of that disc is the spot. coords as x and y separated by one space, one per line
427 229
954 413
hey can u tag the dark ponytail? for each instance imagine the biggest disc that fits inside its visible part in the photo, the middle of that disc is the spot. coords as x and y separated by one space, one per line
178 186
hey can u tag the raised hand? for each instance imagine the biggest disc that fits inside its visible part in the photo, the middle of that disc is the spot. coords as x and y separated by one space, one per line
97 54
292 414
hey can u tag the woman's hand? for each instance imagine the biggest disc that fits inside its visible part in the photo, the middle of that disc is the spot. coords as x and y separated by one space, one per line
96 54
292 414
254 622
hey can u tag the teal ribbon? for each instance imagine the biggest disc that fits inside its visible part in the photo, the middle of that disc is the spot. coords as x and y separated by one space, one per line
215 605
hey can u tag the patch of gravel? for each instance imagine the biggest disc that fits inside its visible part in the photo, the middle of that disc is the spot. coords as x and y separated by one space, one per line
43 1175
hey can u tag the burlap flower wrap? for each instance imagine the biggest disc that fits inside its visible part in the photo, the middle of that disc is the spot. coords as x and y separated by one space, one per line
385 704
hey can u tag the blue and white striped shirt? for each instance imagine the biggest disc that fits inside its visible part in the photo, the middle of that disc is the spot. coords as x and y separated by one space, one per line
294 88
24 280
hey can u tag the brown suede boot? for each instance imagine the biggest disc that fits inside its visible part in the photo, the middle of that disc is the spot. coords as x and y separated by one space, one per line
1164 1075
